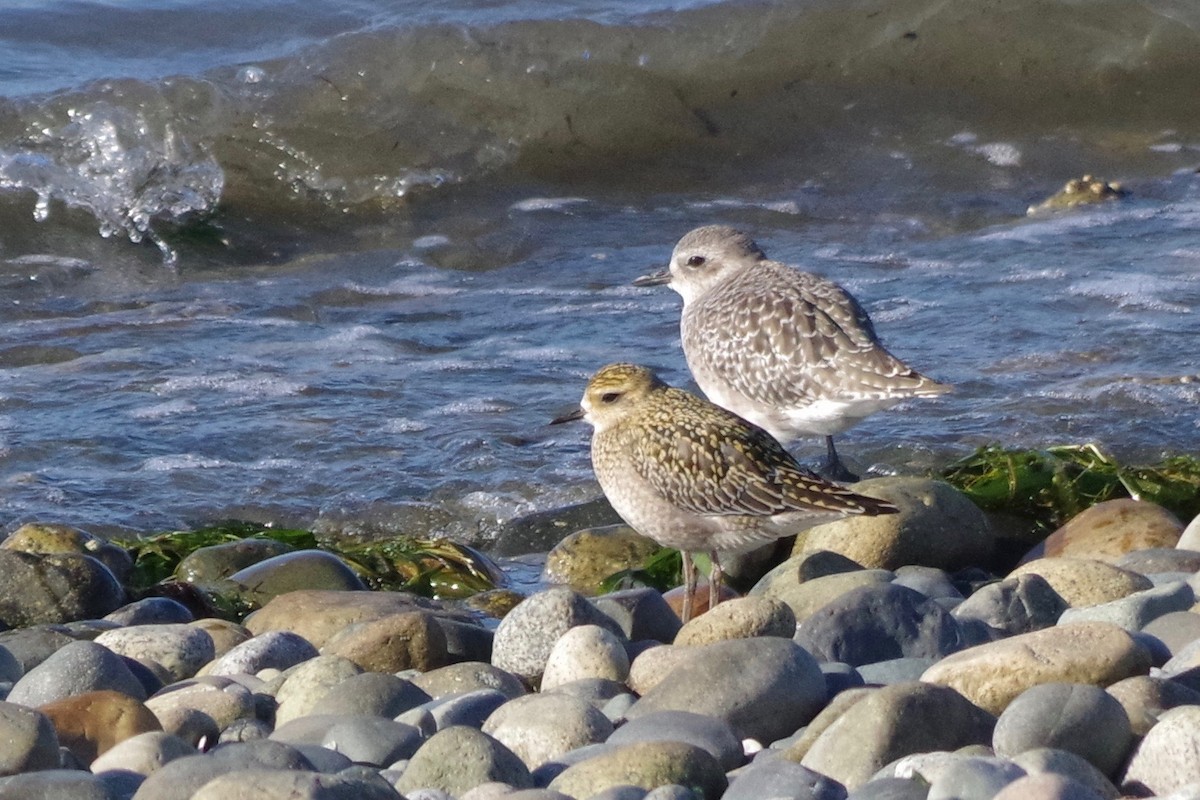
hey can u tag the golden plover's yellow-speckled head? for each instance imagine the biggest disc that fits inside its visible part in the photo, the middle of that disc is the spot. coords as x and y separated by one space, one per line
613 392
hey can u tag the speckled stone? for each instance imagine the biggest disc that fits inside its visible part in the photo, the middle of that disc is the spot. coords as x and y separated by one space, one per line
1108 530
55 587
73 669
152 611
306 683
28 741
992 675
468 676
740 618
646 765
585 651
1085 582
1018 605
318 614
1168 757
541 727
411 640
459 758
653 664
527 634
272 650
220 699
180 649
894 721
1145 698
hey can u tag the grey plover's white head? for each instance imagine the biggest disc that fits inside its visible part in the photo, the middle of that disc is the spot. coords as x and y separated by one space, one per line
704 258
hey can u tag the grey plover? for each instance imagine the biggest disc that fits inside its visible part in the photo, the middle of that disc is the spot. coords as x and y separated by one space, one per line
790 351
693 476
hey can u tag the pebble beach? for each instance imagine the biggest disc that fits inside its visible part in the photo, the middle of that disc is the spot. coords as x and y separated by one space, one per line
874 661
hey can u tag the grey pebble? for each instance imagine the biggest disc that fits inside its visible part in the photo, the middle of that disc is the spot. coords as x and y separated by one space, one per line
372 740
152 611
932 582
707 733
1133 612
976 778
459 758
466 708
541 727
1048 760
879 623
274 649
378 693
1079 718
764 688
895 670
780 778
73 669
179 649
1018 605
891 789
56 784
32 646
1048 786
468 676
527 634
1176 630
143 753
292 785
641 614
28 741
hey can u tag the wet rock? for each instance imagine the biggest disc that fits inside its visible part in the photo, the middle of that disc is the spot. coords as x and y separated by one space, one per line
585 651
1078 718
1085 582
707 733
764 688
89 724
1045 760
805 596
1145 698
208 565
459 758
39 537
55 587
411 640
541 727
311 570
878 623
27 740
585 558
275 650
740 618
1018 605
468 676
992 675
179 649
1109 530
152 611
142 753
318 615
1136 610
937 526
540 531
73 669
646 765
894 721
528 633
641 614
1168 757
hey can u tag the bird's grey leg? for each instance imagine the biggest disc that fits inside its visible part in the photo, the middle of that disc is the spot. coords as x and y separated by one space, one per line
834 469
689 584
715 577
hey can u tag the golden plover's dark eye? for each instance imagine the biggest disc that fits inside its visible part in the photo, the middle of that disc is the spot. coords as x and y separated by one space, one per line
610 397
695 261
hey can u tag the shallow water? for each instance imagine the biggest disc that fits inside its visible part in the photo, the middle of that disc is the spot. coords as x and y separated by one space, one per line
386 259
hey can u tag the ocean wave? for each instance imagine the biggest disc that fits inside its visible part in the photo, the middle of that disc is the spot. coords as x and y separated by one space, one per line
366 122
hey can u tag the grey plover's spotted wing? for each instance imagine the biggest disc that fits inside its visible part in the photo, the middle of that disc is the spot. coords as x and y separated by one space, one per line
785 338
709 462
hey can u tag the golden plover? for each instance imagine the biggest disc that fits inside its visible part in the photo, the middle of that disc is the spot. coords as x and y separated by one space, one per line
696 477
790 351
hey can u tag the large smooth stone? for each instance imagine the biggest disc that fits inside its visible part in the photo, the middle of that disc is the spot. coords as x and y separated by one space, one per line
1078 718
1018 605
528 633
56 587
42 538
542 727
319 614
992 675
57 784
1109 530
1045 760
91 723
895 721
28 741
641 614
780 779
764 688
377 693
805 594
1047 787
1168 757
181 650
880 623
219 699
273 650
1145 698
411 640
468 676
73 669
216 562
740 618
646 765
1085 582
585 558
705 732
306 683
459 758
1138 609
301 569
280 785
937 526
585 651
142 754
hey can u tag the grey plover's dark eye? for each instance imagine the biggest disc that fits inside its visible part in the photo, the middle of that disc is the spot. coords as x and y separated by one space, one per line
695 261
610 397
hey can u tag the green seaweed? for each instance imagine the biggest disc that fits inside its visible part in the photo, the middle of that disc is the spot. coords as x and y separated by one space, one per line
435 568
1051 485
